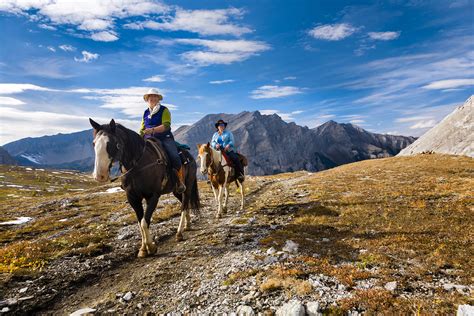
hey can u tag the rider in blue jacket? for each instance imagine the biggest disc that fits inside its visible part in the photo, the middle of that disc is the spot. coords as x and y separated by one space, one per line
224 140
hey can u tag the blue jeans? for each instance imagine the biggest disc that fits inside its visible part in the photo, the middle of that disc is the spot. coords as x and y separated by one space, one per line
170 146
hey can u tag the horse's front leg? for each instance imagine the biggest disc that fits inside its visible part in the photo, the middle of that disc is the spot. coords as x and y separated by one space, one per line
214 190
146 221
137 206
226 197
219 201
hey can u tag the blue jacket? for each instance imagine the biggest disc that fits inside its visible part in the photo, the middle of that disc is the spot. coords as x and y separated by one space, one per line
225 139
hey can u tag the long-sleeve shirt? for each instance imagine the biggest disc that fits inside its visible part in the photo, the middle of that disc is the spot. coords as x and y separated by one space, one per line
226 138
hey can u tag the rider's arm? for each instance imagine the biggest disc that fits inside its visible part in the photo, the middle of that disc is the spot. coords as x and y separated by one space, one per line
214 140
230 140
165 122
142 128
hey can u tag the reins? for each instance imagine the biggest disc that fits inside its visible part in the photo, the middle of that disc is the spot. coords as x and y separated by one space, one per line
159 161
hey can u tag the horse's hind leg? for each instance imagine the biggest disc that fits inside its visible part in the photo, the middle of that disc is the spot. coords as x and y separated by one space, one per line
179 234
187 223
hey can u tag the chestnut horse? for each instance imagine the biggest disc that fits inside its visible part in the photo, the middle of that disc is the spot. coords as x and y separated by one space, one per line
220 174
147 175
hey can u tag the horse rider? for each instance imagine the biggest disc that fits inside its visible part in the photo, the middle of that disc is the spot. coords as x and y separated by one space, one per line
156 122
224 140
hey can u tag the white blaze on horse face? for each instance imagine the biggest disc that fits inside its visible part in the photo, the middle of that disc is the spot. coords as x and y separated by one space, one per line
102 159
203 157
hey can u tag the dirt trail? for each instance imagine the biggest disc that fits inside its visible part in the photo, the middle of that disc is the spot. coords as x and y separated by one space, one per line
158 283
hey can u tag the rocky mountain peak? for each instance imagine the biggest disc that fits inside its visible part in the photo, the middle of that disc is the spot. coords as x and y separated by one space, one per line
453 135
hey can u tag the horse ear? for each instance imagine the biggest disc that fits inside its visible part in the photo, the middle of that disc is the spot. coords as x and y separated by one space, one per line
112 125
208 144
95 125
198 146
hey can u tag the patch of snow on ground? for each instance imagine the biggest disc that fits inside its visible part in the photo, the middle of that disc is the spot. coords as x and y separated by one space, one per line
14 186
18 221
112 190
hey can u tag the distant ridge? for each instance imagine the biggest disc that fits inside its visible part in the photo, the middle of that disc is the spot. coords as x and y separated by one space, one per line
274 146
453 135
271 144
6 158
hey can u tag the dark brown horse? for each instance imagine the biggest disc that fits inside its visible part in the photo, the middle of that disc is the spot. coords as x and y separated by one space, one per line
146 175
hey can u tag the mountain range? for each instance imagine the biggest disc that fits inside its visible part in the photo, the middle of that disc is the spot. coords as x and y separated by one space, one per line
271 144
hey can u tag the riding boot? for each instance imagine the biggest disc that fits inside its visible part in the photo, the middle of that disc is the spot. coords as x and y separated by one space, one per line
180 186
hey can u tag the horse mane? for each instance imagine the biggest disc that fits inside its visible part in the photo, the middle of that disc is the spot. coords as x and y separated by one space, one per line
133 143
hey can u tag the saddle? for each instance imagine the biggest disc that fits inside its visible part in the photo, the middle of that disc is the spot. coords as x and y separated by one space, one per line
242 158
162 154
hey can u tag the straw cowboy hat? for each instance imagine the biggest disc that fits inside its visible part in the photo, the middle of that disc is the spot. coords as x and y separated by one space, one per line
220 122
152 91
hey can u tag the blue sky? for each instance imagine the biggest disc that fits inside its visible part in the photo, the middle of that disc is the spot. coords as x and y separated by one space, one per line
388 66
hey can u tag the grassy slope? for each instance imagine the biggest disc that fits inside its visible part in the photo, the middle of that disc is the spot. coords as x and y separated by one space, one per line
408 219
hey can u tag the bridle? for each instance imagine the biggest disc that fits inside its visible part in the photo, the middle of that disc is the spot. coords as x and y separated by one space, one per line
119 155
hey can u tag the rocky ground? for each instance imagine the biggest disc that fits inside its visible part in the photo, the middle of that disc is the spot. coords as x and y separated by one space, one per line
283 254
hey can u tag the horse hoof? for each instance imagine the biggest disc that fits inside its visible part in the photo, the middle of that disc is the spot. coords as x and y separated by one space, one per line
187 227
152 249
224 210
179 237
142 254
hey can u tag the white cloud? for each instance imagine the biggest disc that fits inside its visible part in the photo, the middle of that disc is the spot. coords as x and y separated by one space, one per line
47 123
156 78
67 48
423 124
384 36
51 48
128 101
203 22
88 15
86 57
356 121
332 32
11 88
10 101
221 81
95 25
412 119
227 46
221 51
47 27
449 84
297 112
269 92
290 78
104 36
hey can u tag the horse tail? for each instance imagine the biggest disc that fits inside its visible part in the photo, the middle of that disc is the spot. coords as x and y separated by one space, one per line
194 201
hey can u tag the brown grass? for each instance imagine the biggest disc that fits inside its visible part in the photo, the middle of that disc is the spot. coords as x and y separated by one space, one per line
410 213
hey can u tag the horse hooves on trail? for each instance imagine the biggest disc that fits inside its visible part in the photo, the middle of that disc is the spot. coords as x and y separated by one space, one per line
187 228
179 237
152 249
142 254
